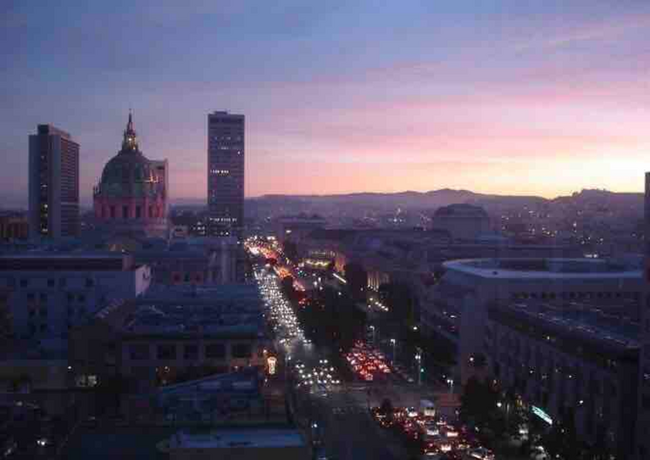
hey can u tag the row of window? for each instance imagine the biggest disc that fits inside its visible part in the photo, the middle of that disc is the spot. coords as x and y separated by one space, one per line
576 295
110 212
51 282
190 351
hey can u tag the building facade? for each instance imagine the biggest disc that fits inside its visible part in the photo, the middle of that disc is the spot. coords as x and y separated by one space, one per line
14 227
226 172
48 294
171 333
570 361
643 424
461 221
132 197
53 184
459 302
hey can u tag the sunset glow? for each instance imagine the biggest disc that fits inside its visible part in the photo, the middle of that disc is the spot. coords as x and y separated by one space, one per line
543 99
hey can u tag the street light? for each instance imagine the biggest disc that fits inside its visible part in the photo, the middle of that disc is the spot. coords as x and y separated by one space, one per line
372 328
418 358
393 342
451 385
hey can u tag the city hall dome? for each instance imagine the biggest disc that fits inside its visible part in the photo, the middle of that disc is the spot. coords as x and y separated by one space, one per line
131 197
129 173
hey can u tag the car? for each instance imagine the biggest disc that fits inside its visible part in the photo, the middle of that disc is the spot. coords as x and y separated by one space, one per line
538 453
91 422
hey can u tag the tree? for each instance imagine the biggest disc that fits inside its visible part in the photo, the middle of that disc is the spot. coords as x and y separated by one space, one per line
479 404
386 407
290 250
399 299
561 441
357 279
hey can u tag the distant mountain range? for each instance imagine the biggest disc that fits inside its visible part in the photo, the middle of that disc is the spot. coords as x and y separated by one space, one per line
445 197
428 200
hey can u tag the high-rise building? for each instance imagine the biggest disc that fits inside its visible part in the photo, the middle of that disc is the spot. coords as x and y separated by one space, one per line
643 421
53 183
226 149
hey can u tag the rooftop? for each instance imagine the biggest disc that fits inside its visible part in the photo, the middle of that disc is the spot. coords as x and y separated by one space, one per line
227 310
39 261
240 438
544 268
590 323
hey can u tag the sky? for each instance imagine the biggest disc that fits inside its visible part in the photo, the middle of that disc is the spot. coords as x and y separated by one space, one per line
510 97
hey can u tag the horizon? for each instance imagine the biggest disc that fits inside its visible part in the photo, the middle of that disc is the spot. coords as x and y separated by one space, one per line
505 98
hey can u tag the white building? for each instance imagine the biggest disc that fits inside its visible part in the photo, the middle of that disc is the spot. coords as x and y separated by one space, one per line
458 309
46 294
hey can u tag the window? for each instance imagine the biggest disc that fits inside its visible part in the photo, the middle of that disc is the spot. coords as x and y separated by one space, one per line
30 296
138 212
24 283
215 350
43 297
70 297
191 352
50 282
139 351
63 282
241 350
89 282
150 211
112 212
81 298
125 212
167 351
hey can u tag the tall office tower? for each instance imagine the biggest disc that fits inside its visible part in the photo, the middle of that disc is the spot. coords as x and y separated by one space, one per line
225 174
53 183
643 416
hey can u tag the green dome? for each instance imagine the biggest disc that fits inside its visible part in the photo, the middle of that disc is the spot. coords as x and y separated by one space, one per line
129 174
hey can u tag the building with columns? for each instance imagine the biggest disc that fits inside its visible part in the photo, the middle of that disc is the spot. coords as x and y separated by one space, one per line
132 197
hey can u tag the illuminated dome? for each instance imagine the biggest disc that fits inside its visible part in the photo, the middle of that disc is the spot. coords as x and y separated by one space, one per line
131 196
129 173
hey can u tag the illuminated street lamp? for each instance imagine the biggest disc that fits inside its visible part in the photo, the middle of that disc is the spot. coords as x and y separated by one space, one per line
418 358
451 385
393 342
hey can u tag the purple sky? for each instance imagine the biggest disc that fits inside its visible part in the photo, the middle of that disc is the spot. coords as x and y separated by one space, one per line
535 97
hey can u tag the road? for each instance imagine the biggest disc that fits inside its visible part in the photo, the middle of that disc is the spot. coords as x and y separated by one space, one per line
349 432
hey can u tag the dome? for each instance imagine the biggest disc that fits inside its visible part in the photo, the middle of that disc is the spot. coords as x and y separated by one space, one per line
129 174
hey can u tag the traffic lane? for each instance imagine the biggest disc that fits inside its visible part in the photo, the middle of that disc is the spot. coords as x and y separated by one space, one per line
350 433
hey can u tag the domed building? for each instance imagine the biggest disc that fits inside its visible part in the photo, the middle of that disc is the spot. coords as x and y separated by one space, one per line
132 197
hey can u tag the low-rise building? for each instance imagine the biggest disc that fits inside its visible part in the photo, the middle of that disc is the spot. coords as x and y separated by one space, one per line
241 443
46 294
172 334
457 309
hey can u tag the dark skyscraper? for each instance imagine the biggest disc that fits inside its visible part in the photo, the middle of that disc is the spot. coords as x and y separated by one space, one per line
225 173
53 183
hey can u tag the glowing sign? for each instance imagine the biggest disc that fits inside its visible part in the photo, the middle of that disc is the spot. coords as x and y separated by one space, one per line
271 361
541 414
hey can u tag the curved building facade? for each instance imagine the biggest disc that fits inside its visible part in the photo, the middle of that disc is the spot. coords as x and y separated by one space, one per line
132 196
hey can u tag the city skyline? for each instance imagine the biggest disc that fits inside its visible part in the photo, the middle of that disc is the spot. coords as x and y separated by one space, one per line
499 98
